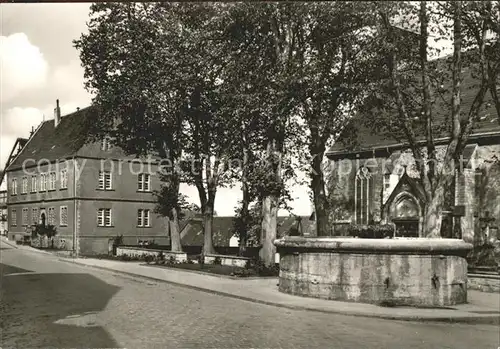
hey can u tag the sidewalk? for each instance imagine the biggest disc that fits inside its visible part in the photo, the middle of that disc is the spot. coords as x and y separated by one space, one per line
482 307
29 248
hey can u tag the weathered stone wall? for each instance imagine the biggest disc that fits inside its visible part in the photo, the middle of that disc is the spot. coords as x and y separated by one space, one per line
140 252
234 261
468 194
419 272
340 186
485 283
488 163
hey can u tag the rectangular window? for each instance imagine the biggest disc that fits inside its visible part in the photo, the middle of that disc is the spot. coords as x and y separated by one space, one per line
43 182
144 182
143 218
13 189
24 217
24 186
52 216
63 216
34 215
104 217
13 220
105 180
140 217
33 184
64 179
146 218
52 181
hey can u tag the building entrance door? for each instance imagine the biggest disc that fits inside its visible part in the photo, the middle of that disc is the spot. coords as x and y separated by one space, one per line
406 227
405 215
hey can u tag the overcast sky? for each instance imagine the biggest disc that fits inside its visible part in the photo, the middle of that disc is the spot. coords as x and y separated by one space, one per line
39 65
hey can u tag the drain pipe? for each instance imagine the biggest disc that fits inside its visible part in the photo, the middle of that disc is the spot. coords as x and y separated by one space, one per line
75 218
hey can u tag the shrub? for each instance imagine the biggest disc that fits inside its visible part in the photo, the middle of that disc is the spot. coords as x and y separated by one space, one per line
483 255
264 270
249 264
118 240
243 272
148 258
172 260
42 230
372 231
161 256
201 259
217 261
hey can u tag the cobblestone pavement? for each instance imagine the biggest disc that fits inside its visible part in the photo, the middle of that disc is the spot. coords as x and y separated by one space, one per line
63 305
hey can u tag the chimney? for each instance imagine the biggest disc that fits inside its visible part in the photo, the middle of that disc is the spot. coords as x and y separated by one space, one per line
57 114
32 131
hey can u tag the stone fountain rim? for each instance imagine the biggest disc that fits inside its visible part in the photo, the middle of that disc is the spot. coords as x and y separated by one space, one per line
337 244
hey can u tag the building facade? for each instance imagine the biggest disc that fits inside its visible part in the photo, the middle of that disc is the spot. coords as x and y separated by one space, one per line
3 213
90 191
374 179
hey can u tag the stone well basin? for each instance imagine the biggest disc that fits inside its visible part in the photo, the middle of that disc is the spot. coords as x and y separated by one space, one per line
415 272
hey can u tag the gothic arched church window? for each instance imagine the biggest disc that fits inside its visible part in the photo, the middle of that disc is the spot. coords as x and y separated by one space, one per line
363 188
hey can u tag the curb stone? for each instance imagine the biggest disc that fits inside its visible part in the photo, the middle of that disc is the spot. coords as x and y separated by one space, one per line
229 277
472 319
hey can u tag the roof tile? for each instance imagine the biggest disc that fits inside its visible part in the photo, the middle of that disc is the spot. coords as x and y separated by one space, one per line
55 143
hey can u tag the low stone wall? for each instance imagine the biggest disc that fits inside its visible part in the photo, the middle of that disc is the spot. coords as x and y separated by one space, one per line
234 261
140 252
417 272
485 283
57 242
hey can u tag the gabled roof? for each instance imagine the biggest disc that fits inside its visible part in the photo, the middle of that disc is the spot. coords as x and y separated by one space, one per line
16 150
360 135
54 143
223 230
414 186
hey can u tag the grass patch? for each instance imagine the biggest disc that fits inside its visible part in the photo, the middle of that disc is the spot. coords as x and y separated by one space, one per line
213 269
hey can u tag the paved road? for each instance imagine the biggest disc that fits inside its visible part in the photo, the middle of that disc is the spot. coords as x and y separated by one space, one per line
48 303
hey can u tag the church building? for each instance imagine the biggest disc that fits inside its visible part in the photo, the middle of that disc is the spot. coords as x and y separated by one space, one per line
373 179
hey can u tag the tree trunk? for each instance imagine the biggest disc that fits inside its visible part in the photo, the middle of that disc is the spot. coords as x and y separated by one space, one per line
433 210
269 228
246 197
319 196
245 218
208 219
270 208
433 214
175 236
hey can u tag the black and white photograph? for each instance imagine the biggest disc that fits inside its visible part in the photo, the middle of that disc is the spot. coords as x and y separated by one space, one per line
254 175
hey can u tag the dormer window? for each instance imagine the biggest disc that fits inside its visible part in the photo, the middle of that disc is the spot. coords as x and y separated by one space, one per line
105 143
144 182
